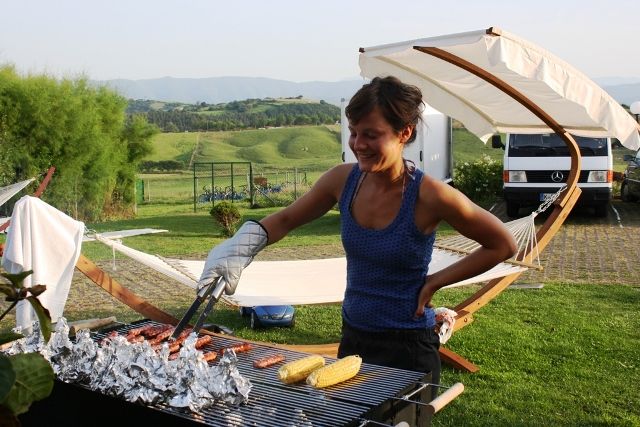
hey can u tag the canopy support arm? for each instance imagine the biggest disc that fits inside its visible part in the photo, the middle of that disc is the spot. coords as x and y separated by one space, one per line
562 206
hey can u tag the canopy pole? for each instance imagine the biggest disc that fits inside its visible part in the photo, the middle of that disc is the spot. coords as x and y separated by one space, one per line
562 206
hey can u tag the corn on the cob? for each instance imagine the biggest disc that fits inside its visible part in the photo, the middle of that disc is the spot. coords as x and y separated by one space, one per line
335 373
299 369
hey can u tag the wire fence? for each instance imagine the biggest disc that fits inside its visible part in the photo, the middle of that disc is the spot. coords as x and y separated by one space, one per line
240 182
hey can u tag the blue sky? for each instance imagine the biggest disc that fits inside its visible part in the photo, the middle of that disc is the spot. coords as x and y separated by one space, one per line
293 40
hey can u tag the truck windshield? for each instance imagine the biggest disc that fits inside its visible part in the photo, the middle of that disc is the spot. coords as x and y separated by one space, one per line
546 145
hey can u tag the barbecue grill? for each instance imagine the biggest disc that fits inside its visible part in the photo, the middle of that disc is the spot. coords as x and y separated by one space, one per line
376 396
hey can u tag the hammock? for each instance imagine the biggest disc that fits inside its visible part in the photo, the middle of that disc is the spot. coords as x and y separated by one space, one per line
321 281
11 190
8 192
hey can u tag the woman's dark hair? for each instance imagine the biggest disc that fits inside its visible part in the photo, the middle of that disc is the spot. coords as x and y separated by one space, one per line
400 103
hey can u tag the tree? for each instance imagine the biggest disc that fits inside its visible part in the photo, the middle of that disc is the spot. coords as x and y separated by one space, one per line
81 130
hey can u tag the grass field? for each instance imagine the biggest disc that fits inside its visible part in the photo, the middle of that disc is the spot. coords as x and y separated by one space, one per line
309 147
274 154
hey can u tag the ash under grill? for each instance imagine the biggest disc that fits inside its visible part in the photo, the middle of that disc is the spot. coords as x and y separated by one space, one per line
373 396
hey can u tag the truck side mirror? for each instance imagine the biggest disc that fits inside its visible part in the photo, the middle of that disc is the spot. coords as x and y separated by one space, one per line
496 142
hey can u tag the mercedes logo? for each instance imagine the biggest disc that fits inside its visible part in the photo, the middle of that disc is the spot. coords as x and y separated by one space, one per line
556 176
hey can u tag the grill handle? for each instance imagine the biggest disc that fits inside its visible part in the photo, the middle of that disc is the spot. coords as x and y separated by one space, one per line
445 398
439 402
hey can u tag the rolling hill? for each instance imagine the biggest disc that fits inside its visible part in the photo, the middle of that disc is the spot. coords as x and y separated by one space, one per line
308 147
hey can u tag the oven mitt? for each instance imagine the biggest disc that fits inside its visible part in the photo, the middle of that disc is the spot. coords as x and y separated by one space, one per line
229 258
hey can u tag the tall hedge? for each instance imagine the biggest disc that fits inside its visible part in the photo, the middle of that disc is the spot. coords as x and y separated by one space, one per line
82 131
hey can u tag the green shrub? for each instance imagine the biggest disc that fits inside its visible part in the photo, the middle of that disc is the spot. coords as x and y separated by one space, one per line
480 180
227 215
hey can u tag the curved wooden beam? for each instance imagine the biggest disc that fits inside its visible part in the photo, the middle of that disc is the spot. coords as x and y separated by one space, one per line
562 206
113 287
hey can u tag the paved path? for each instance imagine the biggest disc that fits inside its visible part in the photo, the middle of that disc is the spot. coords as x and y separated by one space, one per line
592 250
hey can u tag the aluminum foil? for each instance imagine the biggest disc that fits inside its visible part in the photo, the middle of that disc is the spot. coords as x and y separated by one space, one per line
136 372
32 342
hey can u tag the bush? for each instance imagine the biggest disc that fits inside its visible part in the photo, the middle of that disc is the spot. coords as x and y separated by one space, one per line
480 180
227 215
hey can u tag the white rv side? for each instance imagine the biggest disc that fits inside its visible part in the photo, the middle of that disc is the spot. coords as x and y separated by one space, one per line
431 151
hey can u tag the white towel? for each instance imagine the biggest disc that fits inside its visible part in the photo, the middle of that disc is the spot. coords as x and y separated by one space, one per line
45 240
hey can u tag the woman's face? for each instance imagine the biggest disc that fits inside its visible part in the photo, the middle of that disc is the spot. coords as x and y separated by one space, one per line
376 145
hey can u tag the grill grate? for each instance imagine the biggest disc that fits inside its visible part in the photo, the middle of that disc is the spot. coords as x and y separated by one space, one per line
272 403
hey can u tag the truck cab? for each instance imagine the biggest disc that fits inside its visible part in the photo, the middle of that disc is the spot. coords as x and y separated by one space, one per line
537 165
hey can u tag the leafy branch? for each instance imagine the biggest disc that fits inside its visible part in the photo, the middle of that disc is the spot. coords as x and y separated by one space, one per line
24 378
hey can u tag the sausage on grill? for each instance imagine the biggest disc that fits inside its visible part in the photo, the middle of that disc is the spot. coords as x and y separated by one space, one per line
210 356
202 341
238 348
153 332
265 362
161 336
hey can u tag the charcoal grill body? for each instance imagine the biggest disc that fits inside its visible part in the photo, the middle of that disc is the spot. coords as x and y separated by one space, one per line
374 394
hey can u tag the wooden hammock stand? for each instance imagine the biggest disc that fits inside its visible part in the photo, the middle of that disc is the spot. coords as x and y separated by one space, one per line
465 309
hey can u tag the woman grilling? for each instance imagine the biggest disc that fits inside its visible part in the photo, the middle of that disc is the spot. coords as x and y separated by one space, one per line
389 213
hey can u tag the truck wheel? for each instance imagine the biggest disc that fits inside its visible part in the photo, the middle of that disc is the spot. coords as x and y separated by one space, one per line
624 193
601 210
512 209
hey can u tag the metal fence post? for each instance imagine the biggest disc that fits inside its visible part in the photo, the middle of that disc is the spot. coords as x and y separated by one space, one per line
233 189
251 189
195 195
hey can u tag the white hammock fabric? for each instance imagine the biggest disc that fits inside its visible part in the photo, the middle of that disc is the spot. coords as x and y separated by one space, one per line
320 281
11 190
124 233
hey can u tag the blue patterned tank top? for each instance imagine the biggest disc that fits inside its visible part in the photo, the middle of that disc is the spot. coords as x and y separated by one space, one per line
385 268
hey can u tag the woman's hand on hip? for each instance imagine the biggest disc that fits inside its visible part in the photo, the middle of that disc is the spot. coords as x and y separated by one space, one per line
424 297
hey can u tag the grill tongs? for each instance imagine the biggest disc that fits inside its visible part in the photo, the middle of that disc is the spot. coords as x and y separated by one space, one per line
212 292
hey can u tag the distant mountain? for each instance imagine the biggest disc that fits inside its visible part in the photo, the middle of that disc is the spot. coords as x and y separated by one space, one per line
216 90
615 81
624 94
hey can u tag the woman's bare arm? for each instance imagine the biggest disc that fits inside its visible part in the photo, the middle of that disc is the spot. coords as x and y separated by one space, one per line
324 194
470 220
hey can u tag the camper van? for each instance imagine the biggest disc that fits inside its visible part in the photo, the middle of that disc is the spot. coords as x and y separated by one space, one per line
536 166
431 151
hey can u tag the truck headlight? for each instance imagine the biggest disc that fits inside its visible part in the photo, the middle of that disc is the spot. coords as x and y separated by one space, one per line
517 176
600 176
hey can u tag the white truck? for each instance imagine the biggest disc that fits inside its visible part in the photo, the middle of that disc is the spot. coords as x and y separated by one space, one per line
536 166
431 151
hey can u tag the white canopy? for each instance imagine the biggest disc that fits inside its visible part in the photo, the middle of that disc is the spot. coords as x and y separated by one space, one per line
564 93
